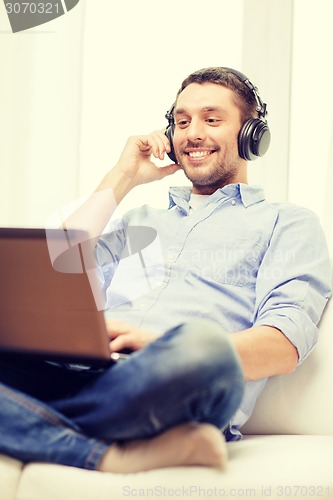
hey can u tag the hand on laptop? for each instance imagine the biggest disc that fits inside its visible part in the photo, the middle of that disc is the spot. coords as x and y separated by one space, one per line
125 337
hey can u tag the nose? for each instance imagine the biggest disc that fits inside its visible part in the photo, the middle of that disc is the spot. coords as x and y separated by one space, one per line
196 131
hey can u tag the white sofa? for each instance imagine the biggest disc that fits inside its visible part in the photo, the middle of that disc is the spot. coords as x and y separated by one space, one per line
287 451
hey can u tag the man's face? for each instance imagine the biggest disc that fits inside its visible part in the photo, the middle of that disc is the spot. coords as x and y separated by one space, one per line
207 123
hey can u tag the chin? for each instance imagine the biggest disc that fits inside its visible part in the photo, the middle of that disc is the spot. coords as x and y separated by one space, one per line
201 175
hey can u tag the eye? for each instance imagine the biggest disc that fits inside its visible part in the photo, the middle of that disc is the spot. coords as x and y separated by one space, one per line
213 121
182 123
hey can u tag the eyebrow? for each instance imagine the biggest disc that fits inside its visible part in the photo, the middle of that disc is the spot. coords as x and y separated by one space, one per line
206 109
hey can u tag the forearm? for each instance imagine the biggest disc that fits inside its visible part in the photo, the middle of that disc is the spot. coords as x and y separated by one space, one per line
133 168
94 214
264 351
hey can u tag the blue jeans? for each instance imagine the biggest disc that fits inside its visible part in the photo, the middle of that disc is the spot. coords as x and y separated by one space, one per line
56 415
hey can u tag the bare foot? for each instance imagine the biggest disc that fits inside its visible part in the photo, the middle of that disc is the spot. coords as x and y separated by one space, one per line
187 444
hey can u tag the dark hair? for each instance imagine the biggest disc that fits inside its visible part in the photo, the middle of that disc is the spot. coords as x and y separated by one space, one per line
243 96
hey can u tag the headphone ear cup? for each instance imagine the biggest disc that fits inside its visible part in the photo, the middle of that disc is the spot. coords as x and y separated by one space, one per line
261 138
169 131
253 139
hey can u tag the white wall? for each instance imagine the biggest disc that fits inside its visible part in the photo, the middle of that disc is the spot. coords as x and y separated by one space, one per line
133 66
287 46
74 89
40 118
310 175
267 59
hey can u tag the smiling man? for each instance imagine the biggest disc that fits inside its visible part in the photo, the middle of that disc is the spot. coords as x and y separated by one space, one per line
239 285
208 122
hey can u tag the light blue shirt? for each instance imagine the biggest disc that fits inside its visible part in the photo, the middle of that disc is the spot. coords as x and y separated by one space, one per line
237 260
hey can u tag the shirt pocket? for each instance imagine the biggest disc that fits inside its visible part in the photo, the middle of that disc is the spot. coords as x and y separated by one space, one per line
231 258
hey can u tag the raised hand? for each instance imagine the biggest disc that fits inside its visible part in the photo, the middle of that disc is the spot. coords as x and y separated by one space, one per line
135 163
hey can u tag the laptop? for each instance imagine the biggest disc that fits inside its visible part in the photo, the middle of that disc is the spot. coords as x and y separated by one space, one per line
51 304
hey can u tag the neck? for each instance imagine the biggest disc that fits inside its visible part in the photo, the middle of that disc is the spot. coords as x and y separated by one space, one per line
212 188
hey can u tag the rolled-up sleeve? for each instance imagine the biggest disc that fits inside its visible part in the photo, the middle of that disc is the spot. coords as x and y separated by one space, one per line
294 279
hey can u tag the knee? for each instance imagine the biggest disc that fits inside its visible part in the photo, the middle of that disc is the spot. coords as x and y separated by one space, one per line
206 347
205 338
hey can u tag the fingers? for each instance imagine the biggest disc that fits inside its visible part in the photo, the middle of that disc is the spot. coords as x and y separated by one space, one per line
124 336
161 144
116 327
123 342
120 335
155 143
135 165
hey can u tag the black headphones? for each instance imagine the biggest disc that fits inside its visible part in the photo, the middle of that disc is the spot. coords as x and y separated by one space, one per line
254 137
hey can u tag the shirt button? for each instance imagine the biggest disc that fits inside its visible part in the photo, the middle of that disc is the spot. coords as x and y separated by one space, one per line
233 202
170 257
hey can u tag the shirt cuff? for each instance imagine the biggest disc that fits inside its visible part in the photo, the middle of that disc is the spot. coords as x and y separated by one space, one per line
296 326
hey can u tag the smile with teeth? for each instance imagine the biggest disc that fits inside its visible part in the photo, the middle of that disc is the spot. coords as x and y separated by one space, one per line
199 154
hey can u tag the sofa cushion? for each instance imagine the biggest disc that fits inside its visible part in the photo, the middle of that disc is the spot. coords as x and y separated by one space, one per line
300 403
10 471
259 467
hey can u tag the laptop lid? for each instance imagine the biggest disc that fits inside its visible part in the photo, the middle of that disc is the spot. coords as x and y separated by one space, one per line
50 300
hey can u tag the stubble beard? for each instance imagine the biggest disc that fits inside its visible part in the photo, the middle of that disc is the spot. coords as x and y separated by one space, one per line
217 176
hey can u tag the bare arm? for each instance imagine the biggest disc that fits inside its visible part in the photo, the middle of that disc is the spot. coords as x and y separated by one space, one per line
264 351
134 167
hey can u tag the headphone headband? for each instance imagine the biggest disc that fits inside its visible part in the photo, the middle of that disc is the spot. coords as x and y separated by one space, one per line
261 106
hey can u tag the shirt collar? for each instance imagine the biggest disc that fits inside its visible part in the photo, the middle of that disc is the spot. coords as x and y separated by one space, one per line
249 195
180 196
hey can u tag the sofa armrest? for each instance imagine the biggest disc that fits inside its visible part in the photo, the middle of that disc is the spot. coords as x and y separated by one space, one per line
300 403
